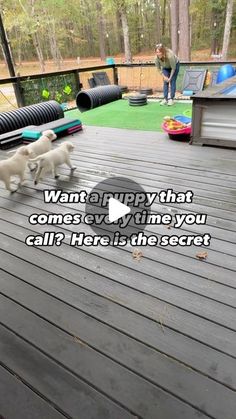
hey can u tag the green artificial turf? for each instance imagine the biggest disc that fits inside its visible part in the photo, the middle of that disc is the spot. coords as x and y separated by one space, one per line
119 114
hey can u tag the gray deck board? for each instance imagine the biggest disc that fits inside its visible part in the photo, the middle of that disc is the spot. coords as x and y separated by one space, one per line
90 333
45 374
162 311
25 400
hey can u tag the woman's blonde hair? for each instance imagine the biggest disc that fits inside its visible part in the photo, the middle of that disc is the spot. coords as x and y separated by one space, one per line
162 49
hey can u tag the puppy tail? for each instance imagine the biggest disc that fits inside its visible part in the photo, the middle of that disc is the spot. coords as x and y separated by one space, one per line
39 158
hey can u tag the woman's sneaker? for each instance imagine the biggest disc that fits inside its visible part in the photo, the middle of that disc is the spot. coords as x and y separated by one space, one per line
170 102
163 102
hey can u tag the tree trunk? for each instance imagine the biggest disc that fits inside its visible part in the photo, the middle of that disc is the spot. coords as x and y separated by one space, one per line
174 11
101 30
228 23
56 52
36 42
158 21
138 27
39 52
184 30
164 19
119 36
125 28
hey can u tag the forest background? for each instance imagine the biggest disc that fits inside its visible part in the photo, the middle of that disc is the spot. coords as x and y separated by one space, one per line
46 35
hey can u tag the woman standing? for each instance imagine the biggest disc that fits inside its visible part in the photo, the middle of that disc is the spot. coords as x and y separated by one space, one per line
168 64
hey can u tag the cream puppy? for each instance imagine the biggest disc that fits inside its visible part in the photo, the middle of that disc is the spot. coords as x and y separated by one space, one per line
40 146
48 162
14 166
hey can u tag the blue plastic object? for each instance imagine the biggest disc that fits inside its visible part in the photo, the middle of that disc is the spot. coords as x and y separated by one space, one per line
225 72
187 92
110 60
183 119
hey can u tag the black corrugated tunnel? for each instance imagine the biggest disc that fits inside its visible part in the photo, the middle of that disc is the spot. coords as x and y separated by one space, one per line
97 96
38 114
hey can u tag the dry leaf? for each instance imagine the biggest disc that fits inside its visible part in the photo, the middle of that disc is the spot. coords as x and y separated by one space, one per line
202 255
137 254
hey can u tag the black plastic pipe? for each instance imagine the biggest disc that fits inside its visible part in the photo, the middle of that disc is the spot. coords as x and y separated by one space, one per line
97 96
38 114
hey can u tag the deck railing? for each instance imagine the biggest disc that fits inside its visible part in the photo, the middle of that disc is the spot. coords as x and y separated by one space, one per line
63 86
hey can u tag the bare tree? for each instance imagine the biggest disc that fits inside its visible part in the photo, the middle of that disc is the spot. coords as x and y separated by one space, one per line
174 11
158 21
101 30
163 19
118 31
184 30
228 24
125 28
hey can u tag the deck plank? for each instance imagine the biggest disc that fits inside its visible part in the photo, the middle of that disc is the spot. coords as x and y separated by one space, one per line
45 375
101 372
88 331
26 401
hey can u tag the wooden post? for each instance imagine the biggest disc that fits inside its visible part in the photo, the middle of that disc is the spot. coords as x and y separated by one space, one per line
16 86
77 80
115 74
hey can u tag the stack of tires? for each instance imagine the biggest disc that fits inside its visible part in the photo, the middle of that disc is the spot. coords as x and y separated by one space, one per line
147 91
138 100
98 96
38 114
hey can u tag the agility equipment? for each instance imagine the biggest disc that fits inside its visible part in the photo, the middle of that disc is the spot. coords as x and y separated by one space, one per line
225 72
38 114
98 96
60 127
146 91
100 78
13 138
138 100
194 80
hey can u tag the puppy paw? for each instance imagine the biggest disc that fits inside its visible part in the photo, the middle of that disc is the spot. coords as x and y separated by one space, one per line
36 182
56 176
73 167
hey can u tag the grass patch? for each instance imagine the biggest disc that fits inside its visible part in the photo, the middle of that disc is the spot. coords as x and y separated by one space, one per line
119 114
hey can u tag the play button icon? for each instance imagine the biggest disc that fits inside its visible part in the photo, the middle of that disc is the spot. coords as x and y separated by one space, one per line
114 205
117 210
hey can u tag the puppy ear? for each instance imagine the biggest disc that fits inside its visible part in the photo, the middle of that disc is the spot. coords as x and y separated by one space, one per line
25 151
22 150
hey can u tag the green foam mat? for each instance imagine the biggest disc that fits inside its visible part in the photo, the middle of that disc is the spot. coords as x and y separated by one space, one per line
57 126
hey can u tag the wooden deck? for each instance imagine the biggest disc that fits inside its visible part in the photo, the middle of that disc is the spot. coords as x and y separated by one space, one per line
91 333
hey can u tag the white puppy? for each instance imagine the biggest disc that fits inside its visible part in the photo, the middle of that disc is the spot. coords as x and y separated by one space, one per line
40 146
48 162
15 165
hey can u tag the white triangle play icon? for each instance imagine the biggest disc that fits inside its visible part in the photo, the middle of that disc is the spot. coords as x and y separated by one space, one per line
116 210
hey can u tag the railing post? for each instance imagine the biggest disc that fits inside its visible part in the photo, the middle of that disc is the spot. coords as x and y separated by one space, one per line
9 60
115 74
77 79
19 93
